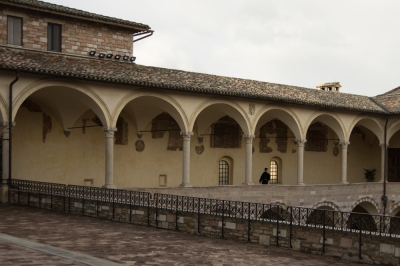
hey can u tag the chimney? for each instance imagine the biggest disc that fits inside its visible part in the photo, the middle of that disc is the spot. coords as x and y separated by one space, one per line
329 86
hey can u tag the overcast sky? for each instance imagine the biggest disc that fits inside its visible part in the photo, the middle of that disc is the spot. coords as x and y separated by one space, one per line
301 43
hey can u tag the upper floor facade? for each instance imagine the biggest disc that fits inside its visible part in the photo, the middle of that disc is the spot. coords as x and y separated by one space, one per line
48 27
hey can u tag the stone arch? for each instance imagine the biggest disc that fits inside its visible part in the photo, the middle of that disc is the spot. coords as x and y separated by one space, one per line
394 209
87 96
225 107
371 124
331 120
370 201
392 129
3 110
329 204
284 114
166 103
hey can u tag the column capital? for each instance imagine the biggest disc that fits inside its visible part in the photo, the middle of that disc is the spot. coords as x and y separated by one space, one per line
186 135
249 138
301 142
6 125
109 131
345 144
383 145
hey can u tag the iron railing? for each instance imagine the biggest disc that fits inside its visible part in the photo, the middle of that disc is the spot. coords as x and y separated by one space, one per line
360 223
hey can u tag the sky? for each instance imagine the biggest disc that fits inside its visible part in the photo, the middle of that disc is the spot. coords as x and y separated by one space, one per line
295 42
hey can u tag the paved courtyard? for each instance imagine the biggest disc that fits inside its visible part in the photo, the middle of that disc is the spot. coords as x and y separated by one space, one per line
31 236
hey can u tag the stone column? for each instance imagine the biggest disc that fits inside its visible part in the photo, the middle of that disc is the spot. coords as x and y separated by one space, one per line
383 153
249 160
300 161
5 162
345 144
186 159
109 177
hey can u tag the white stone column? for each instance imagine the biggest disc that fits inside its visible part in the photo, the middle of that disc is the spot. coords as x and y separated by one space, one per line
345 144
109 177
186 159
249 160
383 153
300 161
5 162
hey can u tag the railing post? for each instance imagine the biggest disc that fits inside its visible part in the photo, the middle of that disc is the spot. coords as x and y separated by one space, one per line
277 227
69 199
291 227
130 206
156 198
113 204
51 196
19 196
198 215
223 222
83 200
359 242
248 221
323 232
98 191
176 211
148 208
64 192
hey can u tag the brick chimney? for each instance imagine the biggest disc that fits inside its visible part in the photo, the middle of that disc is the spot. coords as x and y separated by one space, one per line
329 86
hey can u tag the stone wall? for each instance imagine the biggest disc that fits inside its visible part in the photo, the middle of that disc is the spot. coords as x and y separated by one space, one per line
337 197
78 36
375 249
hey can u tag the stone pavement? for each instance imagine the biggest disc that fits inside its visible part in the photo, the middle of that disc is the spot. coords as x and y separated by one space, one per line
31 236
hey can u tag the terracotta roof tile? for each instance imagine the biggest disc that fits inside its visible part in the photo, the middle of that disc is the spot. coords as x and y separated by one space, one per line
44 6
134 74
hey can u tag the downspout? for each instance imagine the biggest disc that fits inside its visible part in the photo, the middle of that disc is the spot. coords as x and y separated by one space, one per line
10 106
384 198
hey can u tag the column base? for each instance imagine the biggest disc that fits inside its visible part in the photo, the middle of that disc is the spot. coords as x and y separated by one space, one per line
185 185
300 184
4 193
109 186
247 184
344 183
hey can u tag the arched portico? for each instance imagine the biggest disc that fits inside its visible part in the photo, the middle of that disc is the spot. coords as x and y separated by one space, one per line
212 110
68 101
286 115
367 137
144 106
316 130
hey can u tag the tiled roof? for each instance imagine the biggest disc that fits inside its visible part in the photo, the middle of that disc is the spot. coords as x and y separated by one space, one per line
390 100
74 12
139 75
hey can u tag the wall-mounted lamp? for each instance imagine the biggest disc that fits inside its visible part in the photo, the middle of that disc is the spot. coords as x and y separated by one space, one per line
92 53
117 57
109 56
102 55
133 58
125 58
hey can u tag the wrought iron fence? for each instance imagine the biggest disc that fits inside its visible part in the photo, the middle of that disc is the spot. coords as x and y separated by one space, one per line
361 223
294 216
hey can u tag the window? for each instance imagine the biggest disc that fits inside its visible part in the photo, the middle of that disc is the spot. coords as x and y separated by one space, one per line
54 37
14 30
226 133
394 165
223 178
274 172
317 138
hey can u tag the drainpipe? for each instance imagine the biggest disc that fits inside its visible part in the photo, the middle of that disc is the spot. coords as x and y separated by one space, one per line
384 198
10 106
